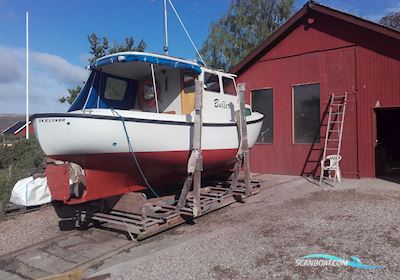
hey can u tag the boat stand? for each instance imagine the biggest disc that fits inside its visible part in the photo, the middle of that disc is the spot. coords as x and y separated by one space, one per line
195 164
142 218
158 215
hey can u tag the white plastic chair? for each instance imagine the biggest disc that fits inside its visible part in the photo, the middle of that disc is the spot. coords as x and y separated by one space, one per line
333 166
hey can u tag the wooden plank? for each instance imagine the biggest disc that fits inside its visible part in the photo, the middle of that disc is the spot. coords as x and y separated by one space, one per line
184 192
244 140
71 275
214 195
125 220
198 124
135 216
219 189
129 227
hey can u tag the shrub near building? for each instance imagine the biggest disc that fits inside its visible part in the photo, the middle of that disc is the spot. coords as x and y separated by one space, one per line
20 160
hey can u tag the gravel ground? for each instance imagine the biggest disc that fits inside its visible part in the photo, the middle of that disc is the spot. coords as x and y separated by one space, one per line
262 238
26 229
259 239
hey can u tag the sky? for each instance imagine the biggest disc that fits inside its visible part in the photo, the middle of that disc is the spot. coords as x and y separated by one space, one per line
59 48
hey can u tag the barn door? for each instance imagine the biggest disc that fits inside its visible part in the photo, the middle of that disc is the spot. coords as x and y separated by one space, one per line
387 149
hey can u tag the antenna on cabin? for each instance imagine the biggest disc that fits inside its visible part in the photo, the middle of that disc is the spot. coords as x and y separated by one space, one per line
27 78
165 28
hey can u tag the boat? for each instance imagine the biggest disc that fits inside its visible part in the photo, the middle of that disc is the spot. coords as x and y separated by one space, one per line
131 127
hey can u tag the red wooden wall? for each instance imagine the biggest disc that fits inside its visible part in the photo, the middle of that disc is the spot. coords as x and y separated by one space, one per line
342 57
31 131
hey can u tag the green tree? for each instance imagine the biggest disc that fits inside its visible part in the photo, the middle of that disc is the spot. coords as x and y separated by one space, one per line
100 47
128 45
246 24
72 94
391 20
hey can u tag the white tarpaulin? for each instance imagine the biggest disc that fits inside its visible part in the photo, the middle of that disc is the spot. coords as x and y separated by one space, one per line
31 192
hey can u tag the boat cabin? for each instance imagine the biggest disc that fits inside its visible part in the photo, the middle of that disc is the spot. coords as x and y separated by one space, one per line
153 83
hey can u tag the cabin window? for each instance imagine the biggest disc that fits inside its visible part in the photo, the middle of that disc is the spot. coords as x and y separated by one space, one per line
306 113
211 82
229 86
262 102
188 82
115 89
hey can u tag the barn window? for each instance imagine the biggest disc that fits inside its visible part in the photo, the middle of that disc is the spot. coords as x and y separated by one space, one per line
262 102
306 115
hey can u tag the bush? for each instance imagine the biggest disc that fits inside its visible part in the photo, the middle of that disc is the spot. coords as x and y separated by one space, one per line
22 154
7 181
16 162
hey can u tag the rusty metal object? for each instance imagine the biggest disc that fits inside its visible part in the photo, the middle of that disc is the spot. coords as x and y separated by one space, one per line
129 202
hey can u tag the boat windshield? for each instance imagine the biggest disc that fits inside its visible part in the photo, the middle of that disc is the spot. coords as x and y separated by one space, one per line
104 90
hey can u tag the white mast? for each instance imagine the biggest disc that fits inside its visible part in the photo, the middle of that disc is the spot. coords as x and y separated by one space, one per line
27 77
165 28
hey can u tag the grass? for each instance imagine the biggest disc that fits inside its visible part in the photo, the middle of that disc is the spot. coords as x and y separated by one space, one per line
16 162
5 182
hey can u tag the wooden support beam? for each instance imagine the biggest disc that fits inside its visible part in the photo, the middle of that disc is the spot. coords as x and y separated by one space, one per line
236 170
184 192
198 124
244 139
195 163
242 157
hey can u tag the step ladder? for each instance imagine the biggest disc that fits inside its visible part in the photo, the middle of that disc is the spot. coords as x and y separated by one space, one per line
333 139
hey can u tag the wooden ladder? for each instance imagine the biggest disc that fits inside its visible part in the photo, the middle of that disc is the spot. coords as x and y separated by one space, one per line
333 138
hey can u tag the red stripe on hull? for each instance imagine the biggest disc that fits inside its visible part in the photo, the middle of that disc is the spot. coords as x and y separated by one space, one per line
116 173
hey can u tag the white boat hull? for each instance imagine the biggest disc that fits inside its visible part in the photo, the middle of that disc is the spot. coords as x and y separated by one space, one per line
74 134
98 142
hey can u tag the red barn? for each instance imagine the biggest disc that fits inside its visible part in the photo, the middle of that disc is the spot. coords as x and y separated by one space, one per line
292 75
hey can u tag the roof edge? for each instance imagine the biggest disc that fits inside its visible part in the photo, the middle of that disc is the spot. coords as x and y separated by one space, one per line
311 6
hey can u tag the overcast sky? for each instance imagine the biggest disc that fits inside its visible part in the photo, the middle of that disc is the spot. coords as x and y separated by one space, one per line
59 46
